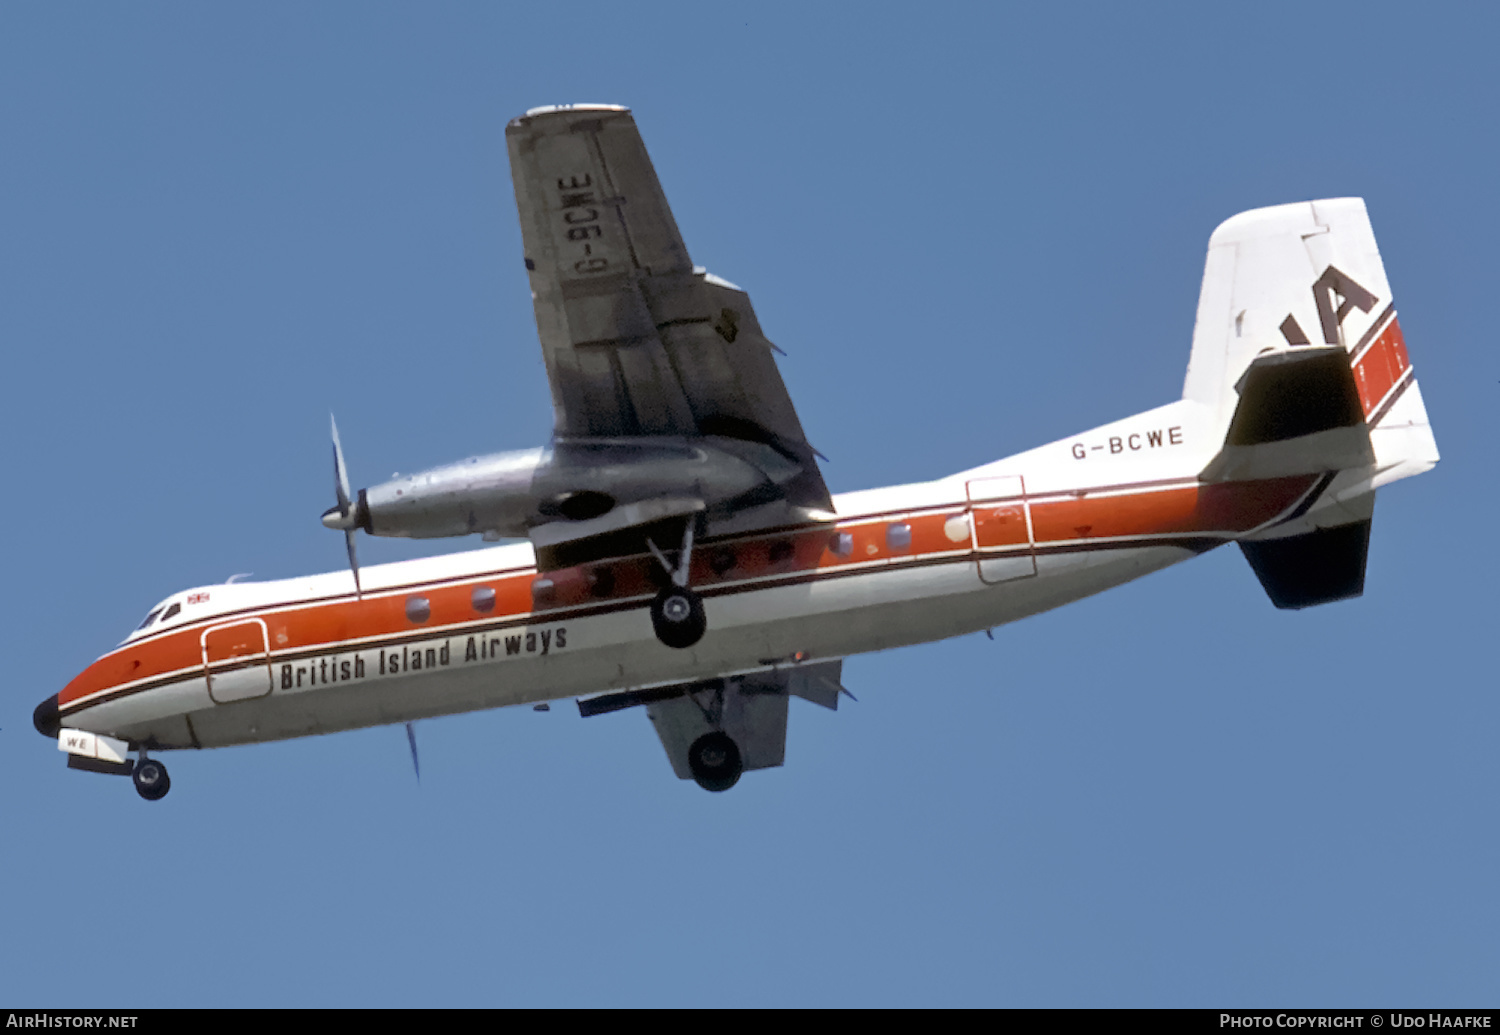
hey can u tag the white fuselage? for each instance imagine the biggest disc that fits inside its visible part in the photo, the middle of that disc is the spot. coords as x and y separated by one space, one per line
264 661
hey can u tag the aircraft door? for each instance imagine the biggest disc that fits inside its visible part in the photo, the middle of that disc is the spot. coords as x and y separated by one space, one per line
1000 521
237 661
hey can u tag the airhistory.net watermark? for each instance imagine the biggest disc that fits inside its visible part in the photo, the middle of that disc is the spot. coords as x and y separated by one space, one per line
1399 1019
45 1019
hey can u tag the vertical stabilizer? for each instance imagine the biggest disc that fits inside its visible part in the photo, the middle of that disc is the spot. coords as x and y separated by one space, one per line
1277 278
1309 275
1299 358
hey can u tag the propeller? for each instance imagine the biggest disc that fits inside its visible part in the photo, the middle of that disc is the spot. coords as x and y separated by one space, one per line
347 515
411 738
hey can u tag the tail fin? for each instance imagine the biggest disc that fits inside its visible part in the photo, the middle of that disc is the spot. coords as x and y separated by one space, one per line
1299 357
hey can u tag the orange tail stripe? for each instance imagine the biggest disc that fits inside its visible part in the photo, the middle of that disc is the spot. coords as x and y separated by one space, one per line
1381 367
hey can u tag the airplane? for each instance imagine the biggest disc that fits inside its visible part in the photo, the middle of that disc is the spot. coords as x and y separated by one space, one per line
680 550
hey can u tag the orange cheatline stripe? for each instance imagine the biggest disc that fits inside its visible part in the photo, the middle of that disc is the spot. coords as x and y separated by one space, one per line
1224 509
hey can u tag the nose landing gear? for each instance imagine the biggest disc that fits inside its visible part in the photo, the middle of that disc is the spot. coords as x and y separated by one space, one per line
677 612
150 778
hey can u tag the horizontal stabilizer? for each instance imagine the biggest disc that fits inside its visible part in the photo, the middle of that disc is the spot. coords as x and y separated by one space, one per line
1298 413
1316 568
1295 392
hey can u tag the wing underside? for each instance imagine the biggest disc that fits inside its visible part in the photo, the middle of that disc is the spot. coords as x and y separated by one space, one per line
637 341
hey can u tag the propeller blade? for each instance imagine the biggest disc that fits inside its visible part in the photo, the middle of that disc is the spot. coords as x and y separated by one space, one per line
411 738
345 519
353 563
340 473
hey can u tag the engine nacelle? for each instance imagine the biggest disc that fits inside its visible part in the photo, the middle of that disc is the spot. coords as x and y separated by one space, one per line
574 480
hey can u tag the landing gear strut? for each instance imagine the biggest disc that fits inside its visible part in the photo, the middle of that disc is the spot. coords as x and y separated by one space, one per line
715 761
677 612
150 778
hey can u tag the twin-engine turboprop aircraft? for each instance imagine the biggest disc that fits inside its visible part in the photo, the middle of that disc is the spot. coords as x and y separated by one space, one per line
683 552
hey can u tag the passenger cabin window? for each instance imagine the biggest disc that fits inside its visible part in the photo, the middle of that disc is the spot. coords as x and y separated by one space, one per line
483 599
898 537
543 592
418 609
721 560
602 582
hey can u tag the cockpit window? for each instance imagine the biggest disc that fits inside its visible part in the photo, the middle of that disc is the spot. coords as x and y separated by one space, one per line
172 612
149 619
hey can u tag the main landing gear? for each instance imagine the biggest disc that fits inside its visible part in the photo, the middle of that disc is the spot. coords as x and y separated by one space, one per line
715 761
714 758
677 612
150 778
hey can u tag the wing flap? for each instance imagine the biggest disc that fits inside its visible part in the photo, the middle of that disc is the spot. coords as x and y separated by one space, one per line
606 311
618 519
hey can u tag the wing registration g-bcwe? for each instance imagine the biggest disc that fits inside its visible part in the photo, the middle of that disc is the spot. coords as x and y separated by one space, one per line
683 553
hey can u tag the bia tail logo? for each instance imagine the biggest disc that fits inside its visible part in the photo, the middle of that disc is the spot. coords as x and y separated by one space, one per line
1350 296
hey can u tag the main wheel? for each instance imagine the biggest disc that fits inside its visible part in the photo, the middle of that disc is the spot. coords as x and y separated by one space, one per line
714 759
677 617
151 779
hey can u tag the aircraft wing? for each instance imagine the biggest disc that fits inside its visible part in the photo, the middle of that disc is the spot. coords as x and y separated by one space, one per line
752 709
637 341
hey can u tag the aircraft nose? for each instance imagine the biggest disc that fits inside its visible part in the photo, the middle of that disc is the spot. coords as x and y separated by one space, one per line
46 718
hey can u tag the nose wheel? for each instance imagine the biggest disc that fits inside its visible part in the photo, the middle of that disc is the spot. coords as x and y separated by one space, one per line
151 779
677 612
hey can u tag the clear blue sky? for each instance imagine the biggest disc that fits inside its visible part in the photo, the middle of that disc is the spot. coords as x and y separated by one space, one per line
973 229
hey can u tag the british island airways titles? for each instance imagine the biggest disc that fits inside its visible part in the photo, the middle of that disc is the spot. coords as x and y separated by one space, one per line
419 657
